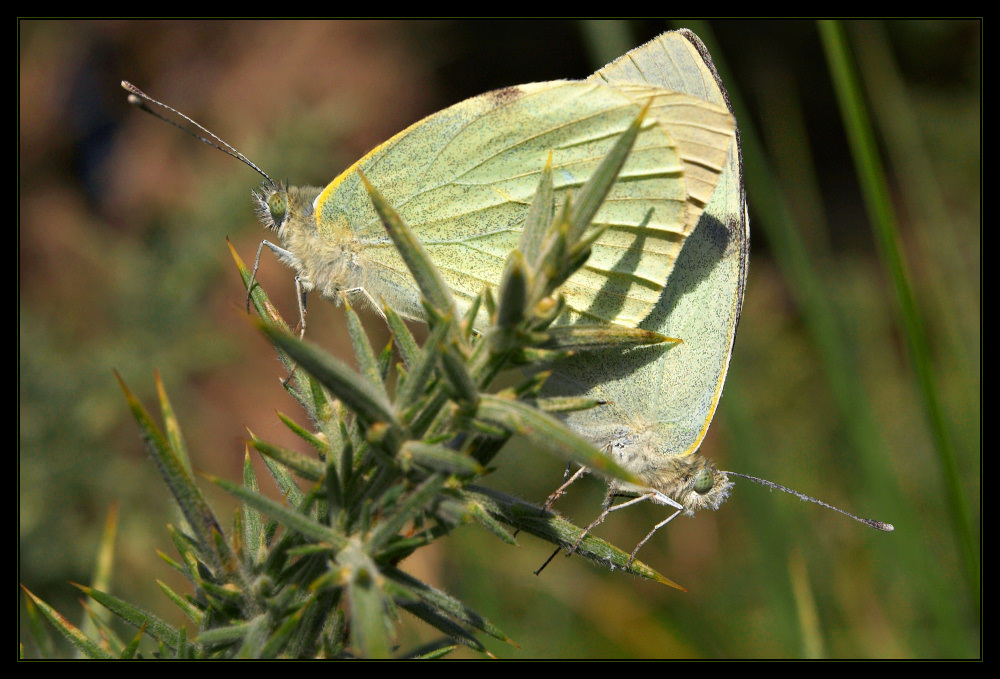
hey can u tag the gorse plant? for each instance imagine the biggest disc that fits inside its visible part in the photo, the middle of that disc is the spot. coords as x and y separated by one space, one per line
317 574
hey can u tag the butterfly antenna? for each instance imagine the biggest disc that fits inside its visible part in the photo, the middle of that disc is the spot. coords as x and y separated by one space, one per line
138 98
877 525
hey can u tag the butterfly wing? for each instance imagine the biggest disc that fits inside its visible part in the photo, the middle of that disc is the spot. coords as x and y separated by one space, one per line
675 390
463 179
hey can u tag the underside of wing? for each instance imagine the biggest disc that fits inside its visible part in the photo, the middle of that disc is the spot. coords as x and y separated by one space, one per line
679 62
675 391
463 180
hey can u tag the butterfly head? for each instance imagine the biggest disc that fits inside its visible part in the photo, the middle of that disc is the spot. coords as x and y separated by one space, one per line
272 205
691 480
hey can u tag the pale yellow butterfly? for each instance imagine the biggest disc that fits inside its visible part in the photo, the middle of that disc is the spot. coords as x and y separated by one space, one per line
660 401
463 179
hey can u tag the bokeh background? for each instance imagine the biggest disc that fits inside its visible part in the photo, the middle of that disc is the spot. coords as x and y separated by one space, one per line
122 265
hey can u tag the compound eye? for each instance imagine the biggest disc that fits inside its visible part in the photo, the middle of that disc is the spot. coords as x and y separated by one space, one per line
703 482
277 205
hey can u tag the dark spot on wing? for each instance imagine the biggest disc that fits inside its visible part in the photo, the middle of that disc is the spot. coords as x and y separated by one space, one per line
505 94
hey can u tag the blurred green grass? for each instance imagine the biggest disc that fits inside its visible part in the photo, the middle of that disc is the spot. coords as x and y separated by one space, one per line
122 264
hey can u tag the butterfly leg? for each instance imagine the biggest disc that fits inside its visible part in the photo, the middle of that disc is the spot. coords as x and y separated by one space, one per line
301 288
560 491
282 253
663 500
657 527
368 297
608 509
567 482
300 294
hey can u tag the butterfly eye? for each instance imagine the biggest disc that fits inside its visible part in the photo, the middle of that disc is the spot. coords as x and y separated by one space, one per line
703 482
277 205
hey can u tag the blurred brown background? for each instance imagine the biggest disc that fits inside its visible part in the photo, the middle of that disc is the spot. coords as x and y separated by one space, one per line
122 265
